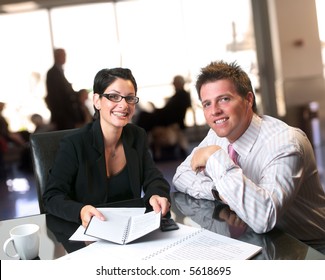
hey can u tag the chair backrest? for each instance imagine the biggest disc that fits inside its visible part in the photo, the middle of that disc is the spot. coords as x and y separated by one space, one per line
43 148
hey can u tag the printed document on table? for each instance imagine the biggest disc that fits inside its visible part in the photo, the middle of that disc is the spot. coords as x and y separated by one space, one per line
206 245
187 243
109 251
79 234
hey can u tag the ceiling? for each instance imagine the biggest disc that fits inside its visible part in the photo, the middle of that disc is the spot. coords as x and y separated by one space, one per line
21 6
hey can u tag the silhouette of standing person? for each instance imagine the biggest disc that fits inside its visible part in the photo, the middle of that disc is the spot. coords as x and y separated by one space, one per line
60 94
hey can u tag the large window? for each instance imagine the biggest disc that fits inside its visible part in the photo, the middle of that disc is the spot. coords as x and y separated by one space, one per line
88 33
156 39
25 55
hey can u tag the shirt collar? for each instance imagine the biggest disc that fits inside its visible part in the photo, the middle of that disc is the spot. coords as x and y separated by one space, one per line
244 144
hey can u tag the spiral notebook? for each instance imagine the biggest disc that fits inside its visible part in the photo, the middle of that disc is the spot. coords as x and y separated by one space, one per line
203 244
123 229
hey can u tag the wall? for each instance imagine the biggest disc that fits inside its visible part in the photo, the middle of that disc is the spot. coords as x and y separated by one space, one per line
299 77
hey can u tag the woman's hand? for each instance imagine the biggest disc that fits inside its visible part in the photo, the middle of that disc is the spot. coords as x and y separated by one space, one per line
87 212
159 203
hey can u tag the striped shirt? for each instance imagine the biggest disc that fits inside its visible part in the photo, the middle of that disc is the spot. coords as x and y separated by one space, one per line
275 184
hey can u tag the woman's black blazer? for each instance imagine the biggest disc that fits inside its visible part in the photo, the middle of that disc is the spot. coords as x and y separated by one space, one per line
78 175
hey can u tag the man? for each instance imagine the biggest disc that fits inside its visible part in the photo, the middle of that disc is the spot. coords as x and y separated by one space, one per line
273 181
61 97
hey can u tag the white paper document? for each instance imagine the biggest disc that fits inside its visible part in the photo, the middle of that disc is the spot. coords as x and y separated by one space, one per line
206 245
187 243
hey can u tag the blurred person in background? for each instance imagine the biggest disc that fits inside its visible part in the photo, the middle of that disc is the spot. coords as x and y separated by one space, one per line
166 125
61 97
83 114
40 124
173 112
12 142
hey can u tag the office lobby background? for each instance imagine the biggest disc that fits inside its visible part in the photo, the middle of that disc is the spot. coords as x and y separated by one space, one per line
280 43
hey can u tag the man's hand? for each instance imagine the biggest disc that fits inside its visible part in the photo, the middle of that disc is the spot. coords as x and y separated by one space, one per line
200 157
231 218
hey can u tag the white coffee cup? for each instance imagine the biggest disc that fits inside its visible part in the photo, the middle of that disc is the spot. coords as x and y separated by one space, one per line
25 241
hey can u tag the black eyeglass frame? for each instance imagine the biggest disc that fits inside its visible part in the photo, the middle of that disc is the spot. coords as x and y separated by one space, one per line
130 99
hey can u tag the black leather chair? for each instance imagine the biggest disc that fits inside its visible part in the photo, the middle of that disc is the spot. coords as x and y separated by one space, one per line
43 148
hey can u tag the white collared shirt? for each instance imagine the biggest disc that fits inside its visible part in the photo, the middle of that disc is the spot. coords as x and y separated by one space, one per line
277 182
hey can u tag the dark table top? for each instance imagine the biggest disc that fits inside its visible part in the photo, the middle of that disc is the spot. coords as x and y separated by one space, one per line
211 215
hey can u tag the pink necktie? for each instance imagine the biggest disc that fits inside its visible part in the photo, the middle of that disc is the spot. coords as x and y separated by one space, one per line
233 154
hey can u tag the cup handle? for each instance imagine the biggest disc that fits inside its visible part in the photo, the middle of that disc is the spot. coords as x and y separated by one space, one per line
5 247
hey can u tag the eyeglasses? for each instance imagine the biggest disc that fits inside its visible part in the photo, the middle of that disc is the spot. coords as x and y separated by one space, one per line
114 97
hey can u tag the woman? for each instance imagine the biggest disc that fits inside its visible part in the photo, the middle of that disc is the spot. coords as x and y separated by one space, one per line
107 160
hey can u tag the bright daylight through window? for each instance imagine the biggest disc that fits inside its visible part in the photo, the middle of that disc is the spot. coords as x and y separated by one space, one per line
156 39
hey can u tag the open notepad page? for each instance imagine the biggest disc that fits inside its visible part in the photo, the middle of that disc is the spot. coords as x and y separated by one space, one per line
123 229
79 234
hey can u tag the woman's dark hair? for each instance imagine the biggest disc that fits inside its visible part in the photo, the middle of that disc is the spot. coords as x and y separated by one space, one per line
106 77
221 70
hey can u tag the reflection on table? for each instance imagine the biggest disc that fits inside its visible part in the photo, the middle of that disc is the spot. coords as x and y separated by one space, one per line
211 215
217 217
